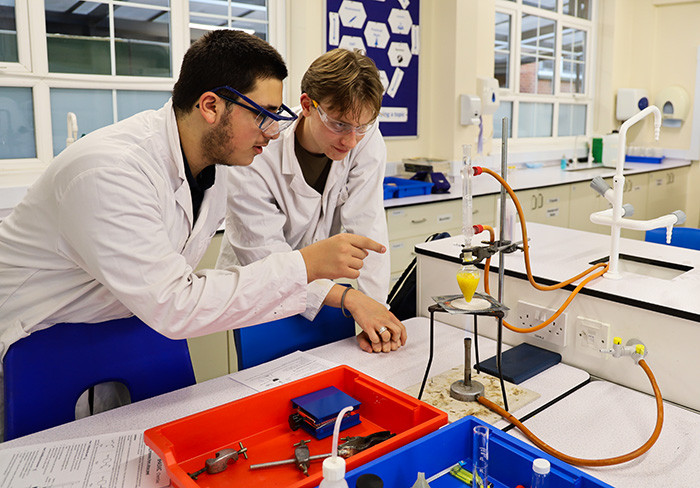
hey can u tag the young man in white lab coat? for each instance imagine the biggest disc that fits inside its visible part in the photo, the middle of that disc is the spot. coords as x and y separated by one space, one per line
119 220
324 175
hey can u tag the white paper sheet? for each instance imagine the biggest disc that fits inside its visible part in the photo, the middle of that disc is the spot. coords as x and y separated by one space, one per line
282 370
109 461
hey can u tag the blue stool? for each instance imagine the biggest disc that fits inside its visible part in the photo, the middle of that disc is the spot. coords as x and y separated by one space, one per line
688 237
48 371
264 342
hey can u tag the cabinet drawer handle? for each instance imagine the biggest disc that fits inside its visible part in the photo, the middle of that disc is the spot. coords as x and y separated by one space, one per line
419 221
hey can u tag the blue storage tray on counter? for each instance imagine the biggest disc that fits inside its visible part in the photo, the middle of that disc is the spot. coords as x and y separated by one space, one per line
510 461
401 187
643 159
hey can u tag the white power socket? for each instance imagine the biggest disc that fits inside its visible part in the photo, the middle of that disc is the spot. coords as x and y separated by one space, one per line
530 315
592 336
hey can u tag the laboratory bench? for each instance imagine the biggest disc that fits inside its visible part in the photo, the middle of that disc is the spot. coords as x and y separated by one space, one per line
573 414
651 303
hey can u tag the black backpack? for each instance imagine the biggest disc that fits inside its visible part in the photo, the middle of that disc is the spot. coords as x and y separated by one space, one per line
402 298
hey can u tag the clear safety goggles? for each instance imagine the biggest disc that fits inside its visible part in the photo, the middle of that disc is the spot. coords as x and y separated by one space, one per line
270 123
340 127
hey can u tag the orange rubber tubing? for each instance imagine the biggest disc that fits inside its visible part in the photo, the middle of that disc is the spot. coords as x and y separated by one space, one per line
526 249
590 462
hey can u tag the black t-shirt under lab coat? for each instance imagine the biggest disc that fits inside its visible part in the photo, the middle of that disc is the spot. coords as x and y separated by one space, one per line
200 184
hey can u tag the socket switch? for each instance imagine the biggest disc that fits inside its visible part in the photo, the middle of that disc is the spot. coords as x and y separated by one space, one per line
530 315
592 335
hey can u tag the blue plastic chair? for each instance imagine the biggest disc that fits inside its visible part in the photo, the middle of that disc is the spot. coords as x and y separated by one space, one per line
688 237
264 342
46 373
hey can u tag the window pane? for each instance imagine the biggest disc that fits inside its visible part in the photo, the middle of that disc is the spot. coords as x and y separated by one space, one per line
215 7
201 25
505 109
572 120
130 102
537 54
577 8
93 109
254 28
77 39
8 32
16 123
543 4
573 68
535 119
142 41
247 15
157 3
502 46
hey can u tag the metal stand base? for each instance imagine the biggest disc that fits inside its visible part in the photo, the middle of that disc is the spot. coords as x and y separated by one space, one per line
466 393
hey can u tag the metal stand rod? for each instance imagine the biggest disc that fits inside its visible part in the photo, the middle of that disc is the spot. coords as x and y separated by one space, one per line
502 255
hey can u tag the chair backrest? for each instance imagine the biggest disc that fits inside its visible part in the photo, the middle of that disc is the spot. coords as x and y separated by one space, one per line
264 342
688 237
45 373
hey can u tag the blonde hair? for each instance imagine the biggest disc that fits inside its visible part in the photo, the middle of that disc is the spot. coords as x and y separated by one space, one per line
344 81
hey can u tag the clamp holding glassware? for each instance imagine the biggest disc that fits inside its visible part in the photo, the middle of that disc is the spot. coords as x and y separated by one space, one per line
473 255
221 461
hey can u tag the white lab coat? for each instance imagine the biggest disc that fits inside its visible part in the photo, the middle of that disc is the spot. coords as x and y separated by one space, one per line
272 209
106 232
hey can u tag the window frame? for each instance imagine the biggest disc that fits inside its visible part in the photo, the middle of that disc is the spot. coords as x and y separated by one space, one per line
32 71
23 64
515 9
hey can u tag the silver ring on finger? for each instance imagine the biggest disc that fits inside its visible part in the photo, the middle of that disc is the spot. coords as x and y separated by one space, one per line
382 330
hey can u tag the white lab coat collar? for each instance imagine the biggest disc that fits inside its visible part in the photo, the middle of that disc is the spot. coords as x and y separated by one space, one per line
178 176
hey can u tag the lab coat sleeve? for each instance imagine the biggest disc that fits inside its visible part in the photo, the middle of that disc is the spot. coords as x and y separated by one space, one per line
363 212
122 243
255 230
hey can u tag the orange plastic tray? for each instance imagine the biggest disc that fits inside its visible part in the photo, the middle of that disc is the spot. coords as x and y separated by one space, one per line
260 421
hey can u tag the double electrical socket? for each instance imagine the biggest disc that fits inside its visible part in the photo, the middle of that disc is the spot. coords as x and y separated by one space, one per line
530 315
592 335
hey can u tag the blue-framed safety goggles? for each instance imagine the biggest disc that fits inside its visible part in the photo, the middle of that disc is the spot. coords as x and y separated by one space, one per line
270 123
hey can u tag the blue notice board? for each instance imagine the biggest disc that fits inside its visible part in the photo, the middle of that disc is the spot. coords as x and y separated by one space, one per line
388 31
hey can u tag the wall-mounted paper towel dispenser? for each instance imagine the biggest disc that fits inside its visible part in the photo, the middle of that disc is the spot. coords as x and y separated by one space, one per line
674 103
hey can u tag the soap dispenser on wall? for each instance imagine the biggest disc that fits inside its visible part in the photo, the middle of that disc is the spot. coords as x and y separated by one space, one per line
674 103
630 101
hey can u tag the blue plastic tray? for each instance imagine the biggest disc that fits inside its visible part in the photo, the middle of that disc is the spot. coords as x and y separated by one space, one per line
510 461
643 159
400 187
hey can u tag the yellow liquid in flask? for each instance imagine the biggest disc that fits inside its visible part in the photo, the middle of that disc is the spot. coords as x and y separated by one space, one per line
468 280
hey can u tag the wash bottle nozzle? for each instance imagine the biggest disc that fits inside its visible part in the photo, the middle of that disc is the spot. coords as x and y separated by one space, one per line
334 465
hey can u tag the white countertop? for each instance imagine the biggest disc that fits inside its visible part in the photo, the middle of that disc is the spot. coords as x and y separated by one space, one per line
558 253
604 420
523 178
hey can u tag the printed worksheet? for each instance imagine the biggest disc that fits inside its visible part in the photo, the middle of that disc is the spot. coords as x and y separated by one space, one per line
282 370
108 461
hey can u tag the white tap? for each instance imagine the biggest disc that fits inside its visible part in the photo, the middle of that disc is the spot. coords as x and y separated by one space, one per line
618 217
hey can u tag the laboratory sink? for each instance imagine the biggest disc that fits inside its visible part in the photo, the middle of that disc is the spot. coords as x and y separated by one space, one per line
595 167
647 267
